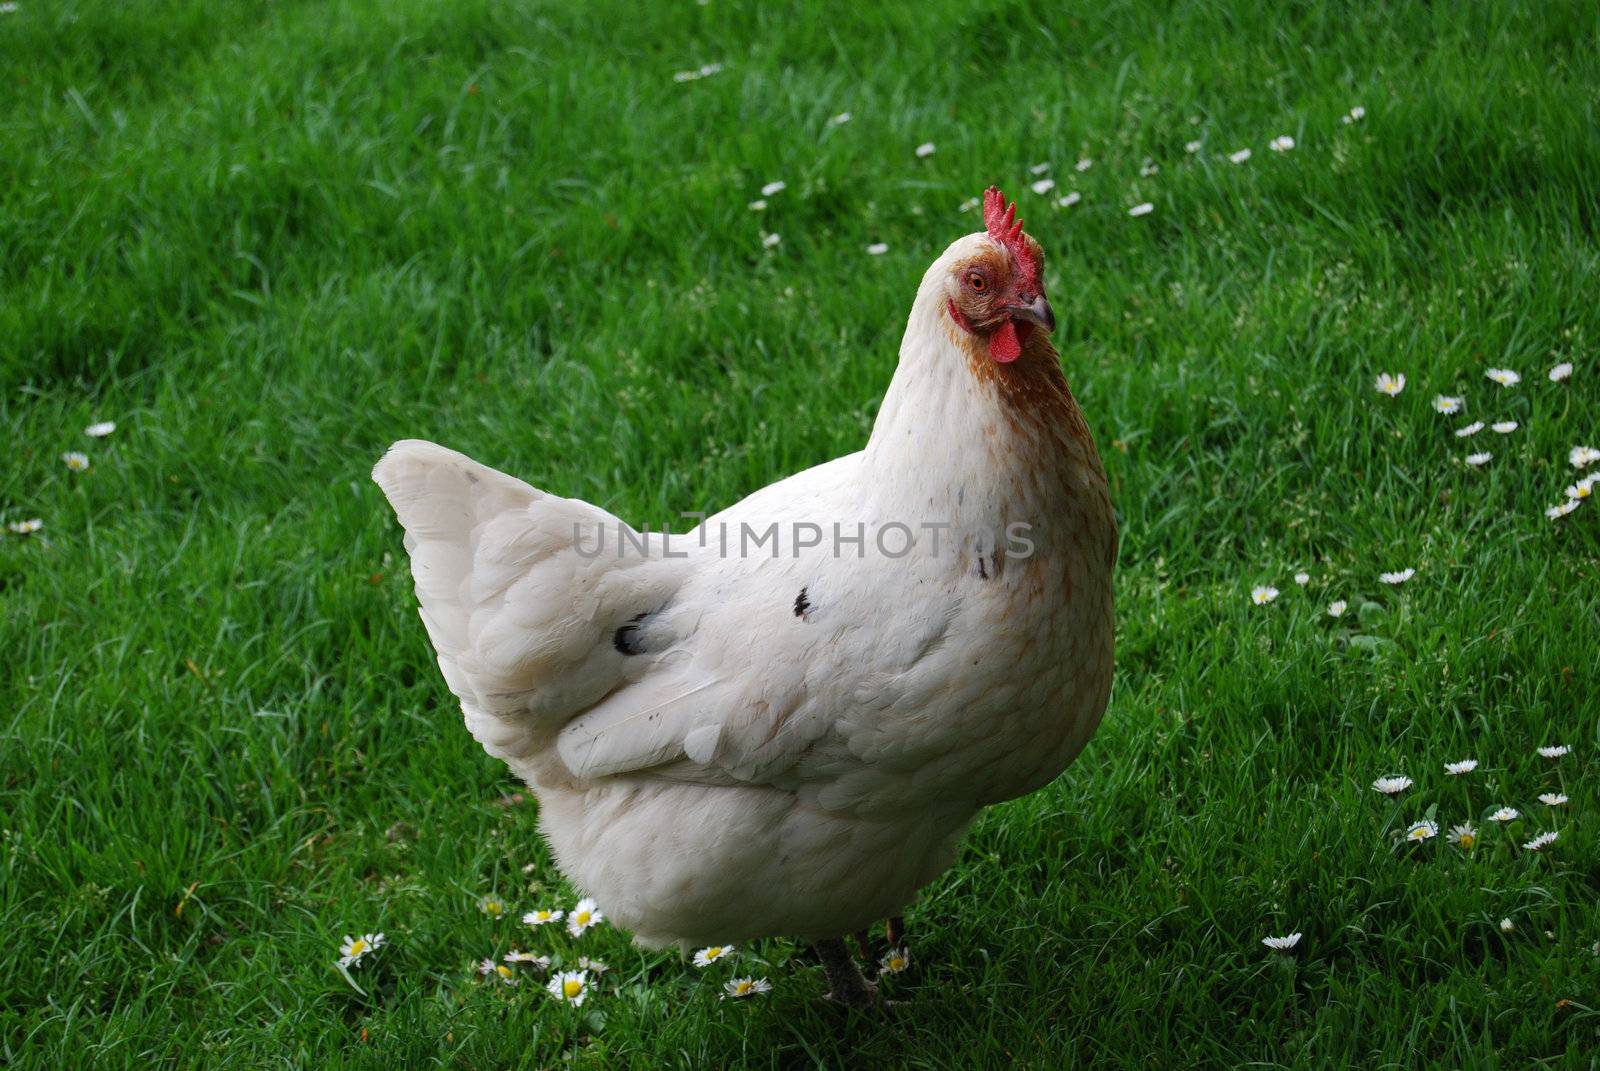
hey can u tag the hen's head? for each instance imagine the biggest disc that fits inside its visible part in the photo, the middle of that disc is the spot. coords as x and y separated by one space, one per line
994 290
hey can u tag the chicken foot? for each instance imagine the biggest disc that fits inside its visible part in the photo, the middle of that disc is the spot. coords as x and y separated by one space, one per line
846 985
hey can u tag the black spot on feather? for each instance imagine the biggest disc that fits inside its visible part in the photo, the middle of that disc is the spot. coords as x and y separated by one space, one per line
629 639
801 604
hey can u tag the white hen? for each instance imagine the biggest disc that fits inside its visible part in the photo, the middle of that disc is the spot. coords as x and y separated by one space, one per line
752 730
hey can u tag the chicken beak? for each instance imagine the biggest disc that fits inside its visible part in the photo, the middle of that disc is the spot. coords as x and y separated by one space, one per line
1038 313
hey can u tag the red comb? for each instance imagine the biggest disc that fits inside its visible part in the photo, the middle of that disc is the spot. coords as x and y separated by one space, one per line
1000 217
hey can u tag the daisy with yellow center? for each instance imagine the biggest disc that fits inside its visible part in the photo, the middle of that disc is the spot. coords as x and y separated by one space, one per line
1504 376
707 956
584 915
27 527
498 971
570 987
895 961
1463 836
542 916
75 461
1421 831
1443 403
354 949
1391 384
531 958
492 907
740 988
1263 594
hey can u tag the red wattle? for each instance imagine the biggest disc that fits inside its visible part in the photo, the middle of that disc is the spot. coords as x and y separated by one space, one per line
1004 345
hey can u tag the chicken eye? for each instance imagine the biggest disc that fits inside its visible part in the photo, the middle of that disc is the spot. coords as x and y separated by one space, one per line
977 281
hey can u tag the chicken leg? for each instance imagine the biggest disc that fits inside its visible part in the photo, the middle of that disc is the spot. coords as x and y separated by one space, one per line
846 985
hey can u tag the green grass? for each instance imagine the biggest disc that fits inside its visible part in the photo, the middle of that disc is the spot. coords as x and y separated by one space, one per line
269 238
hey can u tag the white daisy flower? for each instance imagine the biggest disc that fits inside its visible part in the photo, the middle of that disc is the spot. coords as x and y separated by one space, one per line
1302 579
1503 427
774 187
1561 371
1471 429
1263 594
1142 209
1465 766
100 430
593 966
1337 607
925 149
757 206
877 249
740 988
895 961
1463 836
1354 115
1281 944
1083 165
536 960
1504 376
1390 384
498 971
1192 147
1507 926
10 7
1443 403
1552 799
1281 143
491 906
542 916
1582 456
1070 199
569 987
584 915
1418 832
1239 156
1397 578
1563 509
77 462
1149 168
354 949
1043 186
1580 490
707 956
1541 842
27 527
769 241
1555 752
1039 169
839 120
1483 457
1392 786
1504 814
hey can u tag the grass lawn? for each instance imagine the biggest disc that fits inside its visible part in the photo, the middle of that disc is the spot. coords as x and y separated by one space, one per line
267 239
